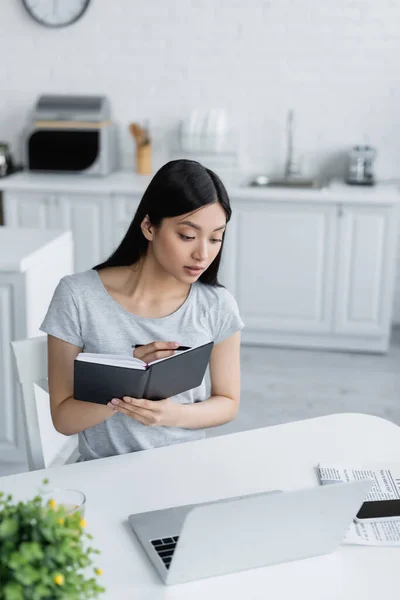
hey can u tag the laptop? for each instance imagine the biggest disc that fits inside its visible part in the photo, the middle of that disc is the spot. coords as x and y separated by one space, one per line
192 542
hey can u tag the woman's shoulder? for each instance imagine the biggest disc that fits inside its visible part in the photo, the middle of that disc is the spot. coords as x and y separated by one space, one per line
221 308
79 282
216 297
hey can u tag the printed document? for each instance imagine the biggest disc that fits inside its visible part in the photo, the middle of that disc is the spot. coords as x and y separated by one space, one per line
386 486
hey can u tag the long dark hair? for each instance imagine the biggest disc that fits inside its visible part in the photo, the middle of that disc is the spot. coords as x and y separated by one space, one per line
179 187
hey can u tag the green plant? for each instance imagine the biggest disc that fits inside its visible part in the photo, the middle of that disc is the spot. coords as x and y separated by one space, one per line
43 552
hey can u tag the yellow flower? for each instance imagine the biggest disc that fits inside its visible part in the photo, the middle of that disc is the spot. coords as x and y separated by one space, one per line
82 523
59 579
61 521
98 572
52 504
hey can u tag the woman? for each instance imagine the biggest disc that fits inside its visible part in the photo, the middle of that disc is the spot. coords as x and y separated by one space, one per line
159 289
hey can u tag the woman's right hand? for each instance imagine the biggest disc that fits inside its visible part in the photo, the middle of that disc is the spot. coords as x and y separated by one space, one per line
155 351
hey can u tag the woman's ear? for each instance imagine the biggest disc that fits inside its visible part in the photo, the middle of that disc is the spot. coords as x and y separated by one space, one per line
147 228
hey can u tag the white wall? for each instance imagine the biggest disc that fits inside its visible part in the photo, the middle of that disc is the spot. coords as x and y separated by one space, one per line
334 61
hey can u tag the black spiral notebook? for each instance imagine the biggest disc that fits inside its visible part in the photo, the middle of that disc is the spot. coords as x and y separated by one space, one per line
99 378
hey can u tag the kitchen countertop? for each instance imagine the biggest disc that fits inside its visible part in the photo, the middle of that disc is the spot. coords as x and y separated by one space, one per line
120 182
127 183
21 248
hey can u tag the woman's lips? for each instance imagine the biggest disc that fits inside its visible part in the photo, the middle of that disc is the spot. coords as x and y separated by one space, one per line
194 270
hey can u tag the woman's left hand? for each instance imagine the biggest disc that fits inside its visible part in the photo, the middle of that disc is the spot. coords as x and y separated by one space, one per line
149 412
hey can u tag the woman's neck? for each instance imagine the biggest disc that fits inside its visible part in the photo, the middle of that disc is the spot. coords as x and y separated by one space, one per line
144 290
147 280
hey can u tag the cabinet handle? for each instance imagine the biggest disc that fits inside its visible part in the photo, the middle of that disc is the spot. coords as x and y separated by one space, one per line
340 211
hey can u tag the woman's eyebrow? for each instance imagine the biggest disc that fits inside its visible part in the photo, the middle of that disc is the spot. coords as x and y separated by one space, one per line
197 226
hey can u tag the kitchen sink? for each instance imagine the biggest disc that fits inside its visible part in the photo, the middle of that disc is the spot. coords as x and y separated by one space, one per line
262 181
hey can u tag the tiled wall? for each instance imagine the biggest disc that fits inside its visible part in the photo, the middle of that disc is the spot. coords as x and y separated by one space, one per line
334 61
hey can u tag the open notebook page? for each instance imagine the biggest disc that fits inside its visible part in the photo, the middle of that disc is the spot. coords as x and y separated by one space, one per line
116 360
121 360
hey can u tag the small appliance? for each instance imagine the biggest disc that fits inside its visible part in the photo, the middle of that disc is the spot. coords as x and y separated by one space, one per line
71 134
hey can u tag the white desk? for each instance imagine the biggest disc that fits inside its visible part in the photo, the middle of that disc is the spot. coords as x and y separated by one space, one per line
281 457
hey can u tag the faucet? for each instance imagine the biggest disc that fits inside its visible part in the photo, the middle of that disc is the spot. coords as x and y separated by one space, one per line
292 167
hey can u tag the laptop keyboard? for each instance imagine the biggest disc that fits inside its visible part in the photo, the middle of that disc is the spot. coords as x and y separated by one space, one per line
165 548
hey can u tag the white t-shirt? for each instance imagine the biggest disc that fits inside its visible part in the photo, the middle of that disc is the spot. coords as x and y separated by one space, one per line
83 313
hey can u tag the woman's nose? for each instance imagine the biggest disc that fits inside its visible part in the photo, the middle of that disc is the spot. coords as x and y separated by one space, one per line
201 252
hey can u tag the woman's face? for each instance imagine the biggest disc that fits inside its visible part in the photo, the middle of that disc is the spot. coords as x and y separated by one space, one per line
186 245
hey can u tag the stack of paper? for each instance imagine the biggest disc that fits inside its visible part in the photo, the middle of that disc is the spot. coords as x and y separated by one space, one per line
386 486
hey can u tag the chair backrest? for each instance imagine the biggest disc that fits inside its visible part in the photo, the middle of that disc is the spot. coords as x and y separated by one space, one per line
44 444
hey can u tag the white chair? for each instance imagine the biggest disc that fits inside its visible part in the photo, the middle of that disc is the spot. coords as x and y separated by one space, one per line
45 446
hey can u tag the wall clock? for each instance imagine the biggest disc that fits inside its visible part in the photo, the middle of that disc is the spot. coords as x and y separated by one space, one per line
56 13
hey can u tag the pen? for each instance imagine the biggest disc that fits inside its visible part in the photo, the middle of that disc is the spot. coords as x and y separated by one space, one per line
178 348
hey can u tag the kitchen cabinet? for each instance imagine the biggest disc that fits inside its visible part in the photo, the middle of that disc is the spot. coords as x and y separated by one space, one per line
83 214
313 275
123 208
284 264
11 440
36 210
366 255
31 264
309 268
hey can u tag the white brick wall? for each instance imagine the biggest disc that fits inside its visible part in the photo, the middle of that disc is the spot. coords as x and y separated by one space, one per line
334 61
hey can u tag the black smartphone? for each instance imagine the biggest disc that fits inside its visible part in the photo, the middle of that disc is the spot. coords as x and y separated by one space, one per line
382 510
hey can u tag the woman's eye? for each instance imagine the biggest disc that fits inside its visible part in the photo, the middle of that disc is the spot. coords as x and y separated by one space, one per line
188 238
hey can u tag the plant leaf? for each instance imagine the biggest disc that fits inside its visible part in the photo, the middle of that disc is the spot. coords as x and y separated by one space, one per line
8 528
30 551
13 591
41 591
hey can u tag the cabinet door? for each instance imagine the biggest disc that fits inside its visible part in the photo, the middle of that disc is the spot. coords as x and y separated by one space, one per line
37 210
281 265
366 249
12 326
228 271
84 216
123 208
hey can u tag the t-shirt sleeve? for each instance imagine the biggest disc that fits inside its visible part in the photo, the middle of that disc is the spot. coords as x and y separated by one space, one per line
62 318
228 320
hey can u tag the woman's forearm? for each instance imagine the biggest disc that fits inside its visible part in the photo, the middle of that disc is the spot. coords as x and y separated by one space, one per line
73 416
214 411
